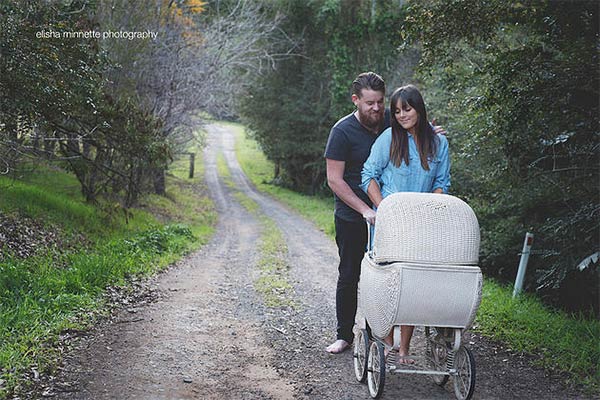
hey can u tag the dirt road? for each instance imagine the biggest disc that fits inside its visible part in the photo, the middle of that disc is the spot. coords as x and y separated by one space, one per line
206 334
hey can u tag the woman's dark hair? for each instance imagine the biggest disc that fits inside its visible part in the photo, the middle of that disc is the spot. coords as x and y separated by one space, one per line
426 138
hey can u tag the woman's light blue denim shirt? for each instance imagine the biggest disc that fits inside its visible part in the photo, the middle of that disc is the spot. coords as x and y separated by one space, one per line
406 178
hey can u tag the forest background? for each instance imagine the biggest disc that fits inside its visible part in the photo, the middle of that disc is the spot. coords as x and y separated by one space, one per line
514 83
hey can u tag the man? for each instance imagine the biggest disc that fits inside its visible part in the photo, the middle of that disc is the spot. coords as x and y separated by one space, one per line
347 149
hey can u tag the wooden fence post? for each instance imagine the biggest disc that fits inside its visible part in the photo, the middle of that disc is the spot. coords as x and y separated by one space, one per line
192 162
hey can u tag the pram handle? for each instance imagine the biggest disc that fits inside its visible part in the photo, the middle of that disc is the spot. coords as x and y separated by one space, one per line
369 250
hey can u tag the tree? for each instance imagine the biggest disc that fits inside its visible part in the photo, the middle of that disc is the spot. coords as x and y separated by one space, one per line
53 89
200 60
41 78
291 108
518 83
115 116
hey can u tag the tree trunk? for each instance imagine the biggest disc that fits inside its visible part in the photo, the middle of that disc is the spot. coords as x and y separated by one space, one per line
86 149
159 181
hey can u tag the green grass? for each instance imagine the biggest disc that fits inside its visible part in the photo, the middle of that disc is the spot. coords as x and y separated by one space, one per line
273 282
563 342
60 289
39 202
260 172
570 344
52 178
222 169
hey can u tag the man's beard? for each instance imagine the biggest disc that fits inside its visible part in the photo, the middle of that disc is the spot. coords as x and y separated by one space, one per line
371 121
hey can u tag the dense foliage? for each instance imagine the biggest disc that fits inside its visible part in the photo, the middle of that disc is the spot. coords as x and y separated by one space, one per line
516 85
113 89
54 102
291 108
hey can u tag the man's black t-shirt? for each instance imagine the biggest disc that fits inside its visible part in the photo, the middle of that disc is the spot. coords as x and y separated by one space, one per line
350 142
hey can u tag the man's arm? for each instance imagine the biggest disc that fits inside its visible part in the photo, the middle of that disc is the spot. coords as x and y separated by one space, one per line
335 180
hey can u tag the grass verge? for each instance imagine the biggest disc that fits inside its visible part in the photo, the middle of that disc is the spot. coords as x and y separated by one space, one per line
260 172
563 342
61 289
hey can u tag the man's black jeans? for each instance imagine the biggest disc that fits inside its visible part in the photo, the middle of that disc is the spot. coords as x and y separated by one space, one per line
351 239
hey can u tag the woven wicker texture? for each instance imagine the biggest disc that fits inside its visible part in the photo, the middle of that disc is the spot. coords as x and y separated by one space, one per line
426 228
418 294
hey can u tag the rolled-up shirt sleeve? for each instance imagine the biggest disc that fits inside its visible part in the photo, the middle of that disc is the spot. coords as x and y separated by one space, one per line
378 159
442 178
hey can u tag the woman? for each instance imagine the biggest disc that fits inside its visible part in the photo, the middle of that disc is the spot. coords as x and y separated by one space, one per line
407 157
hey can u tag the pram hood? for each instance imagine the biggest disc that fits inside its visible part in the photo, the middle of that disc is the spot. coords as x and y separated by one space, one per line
427 228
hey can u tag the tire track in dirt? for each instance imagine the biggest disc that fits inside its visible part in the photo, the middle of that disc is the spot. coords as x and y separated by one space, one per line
204 337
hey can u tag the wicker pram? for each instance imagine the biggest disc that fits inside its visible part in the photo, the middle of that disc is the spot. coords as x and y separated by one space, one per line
422 270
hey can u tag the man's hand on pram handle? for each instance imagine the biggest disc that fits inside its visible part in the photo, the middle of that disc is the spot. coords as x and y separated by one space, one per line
369 216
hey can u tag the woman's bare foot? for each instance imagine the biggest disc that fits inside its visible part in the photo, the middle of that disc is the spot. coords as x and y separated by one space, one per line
406 332
406 360
338 346
404 357
387 346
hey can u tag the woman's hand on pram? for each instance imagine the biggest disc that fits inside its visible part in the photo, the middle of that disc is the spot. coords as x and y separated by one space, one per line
369 216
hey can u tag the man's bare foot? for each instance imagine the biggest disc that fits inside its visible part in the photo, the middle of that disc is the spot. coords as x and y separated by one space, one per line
338 346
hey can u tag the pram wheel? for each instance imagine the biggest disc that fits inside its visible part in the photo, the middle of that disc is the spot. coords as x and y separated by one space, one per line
436 358
464 380
376 369
437 355
361 354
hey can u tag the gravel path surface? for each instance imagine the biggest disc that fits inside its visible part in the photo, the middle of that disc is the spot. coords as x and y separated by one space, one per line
202 332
